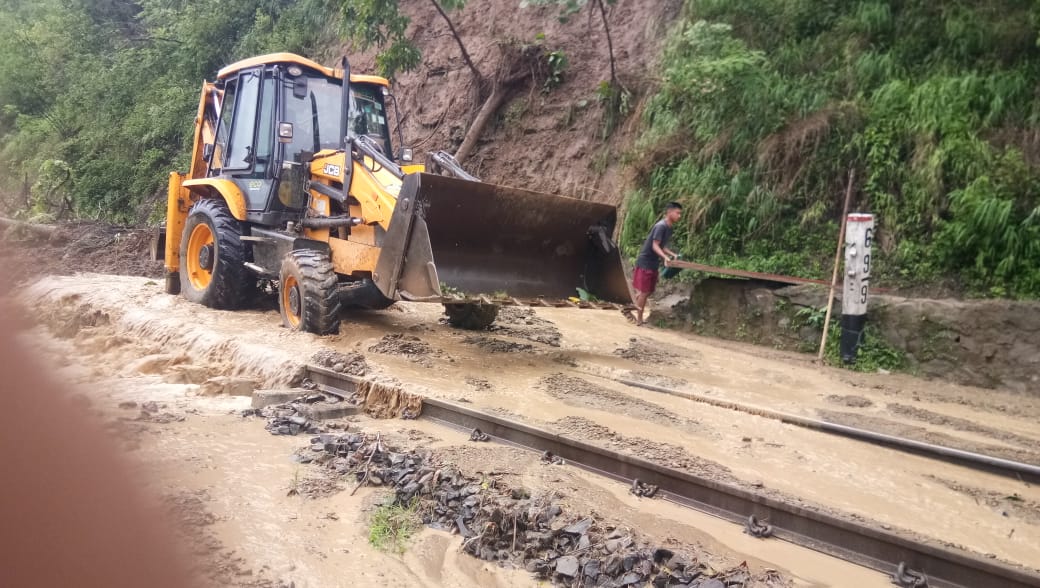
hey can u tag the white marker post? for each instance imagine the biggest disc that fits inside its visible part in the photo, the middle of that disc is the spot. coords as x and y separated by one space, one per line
859 235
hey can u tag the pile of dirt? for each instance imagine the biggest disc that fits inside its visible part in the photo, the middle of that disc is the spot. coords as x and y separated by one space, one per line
74 247
409 346
345 363
523 323
493 345
850 400
644 351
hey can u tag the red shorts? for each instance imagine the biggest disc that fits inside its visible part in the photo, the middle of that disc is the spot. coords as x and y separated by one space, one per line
644 280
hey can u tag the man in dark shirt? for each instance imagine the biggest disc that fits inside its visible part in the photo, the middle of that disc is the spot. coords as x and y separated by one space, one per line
654 250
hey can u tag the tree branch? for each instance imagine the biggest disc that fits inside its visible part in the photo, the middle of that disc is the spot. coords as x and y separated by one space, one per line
610 42
465 54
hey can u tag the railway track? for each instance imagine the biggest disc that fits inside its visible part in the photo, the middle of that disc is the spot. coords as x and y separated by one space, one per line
911 563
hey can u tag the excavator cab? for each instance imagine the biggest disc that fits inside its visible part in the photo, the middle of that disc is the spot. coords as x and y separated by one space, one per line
295 182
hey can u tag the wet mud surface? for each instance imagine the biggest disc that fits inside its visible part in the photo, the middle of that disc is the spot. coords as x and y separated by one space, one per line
919 433
642 350
580 392
663 453
962 424
548 385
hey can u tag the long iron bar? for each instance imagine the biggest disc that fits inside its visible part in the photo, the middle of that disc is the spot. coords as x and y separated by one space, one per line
1013 469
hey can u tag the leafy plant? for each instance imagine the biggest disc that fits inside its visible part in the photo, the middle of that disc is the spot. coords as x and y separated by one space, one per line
393 524
557 64
811 316
764 106
874 352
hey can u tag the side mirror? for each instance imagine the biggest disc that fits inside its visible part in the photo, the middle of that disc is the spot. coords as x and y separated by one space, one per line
406 154
207 152
285 132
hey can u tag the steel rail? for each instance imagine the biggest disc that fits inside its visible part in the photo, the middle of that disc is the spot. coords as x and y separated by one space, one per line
1024 472
872 547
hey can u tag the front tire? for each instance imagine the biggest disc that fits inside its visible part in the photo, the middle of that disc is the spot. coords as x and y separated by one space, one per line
212 257
307 294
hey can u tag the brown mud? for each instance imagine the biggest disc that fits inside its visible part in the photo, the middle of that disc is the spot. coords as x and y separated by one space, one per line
574 386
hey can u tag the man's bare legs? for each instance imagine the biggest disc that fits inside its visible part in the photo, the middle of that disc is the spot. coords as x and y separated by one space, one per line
640 305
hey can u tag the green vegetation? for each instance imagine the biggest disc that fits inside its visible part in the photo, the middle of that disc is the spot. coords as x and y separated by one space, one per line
556 61
766 105
393 524
97 98
874 352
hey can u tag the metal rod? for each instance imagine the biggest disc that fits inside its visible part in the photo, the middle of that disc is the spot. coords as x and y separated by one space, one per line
1014 469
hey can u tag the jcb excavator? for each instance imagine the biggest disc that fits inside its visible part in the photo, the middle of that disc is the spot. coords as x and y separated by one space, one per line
296 184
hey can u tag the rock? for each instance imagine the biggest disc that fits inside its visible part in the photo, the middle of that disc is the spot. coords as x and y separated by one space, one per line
591 568
579 528
643 567
538 538
662 555
232 386
711 583
613 545
629 579
567 566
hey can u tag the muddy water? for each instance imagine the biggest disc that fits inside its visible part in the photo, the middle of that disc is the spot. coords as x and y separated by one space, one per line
230 479
843 476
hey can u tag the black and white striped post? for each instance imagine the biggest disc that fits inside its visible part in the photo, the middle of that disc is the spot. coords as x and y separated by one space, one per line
859 235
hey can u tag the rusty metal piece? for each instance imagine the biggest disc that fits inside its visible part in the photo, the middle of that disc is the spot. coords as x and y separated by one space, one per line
757 529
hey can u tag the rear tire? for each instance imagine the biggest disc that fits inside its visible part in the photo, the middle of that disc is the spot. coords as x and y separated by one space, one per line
470 316
307 294
212 255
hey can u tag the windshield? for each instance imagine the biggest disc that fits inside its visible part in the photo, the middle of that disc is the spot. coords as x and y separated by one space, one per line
368 117
315 115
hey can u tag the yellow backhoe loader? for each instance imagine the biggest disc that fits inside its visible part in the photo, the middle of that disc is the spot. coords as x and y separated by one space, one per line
296 184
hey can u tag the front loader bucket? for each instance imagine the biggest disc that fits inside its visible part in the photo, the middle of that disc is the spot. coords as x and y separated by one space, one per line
487 240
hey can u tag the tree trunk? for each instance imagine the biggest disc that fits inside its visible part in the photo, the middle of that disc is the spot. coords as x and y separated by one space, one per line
491 105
